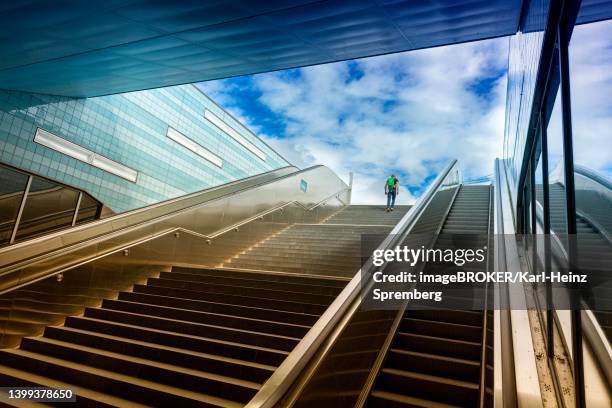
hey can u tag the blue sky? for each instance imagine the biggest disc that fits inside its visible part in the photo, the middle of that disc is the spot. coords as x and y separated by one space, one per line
408 113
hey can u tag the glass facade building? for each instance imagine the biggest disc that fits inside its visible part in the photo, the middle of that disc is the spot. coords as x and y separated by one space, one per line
133 149
557 159
540 119
524 56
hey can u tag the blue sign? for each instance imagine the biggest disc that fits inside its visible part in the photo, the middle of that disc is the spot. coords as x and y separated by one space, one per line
303 185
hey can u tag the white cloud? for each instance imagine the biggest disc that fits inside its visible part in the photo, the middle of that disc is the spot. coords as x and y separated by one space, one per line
409 113
591 90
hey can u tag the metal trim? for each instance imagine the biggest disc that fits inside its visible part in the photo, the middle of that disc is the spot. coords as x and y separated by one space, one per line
153 211
483 356
76 209
26 191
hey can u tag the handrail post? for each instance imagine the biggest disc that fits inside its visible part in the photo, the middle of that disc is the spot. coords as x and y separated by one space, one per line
350 186
26 191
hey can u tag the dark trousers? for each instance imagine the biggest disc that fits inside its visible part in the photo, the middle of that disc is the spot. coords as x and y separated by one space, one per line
390 198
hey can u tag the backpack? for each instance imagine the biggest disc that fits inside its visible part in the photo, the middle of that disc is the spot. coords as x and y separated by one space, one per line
391 183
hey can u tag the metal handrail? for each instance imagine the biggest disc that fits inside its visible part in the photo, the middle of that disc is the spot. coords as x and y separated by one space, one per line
515 363
38 246
483 356
593 175
127 219
151 221
504 367
383 352
286 374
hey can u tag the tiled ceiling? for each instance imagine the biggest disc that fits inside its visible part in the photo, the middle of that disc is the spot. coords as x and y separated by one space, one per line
90 48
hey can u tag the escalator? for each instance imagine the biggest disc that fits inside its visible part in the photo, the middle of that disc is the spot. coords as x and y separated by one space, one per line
436 356
360 355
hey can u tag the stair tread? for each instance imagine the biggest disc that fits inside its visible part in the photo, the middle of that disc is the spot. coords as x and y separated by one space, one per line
169 348
211 339
139 360
222 402
196 324
43 381
208 302
249 279
198 312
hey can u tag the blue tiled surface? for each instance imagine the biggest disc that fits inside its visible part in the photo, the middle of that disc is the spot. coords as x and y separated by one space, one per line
130 129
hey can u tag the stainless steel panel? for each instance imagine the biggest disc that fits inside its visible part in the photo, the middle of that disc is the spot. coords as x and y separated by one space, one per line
205 215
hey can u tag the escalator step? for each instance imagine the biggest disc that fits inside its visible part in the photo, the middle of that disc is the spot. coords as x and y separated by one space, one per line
434 364
438 345
438 328
384 399
429 387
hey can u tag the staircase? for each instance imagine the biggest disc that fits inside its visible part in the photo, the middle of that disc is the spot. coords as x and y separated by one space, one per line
207 337
331 248
435 357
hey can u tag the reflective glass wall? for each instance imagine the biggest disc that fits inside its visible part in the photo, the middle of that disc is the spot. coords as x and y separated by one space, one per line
557 154
134 149
524 57
590 53
31 206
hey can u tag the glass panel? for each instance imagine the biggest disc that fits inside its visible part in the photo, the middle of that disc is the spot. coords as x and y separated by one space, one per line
591 90
556 177
12 184
524 57
539 196
87 210
527 203
49 206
